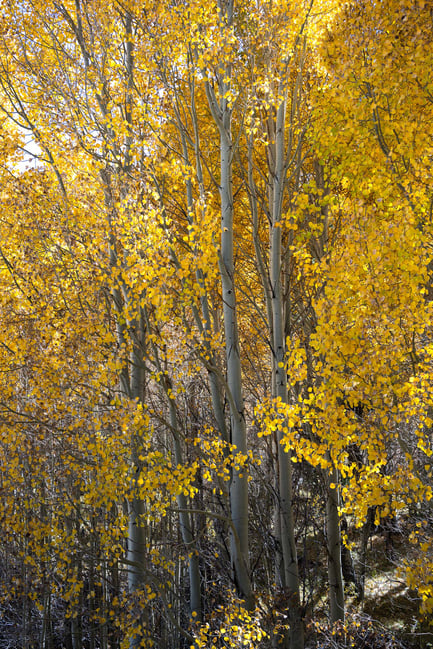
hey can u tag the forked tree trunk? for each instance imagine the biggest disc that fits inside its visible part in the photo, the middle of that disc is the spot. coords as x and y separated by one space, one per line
287 530
222 113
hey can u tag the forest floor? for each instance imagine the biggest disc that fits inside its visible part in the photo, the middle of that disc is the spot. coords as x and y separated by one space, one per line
388 617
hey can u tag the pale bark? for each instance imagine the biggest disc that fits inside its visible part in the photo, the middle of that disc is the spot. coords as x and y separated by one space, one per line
222 113
203 319
287 531
239 483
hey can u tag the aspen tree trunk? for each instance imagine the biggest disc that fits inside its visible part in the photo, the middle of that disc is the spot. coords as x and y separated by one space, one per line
132 386
333 523
281 156
46 635
136 545
287 531
136 506
333 532
239 483
222 113
204 323
366 533
71 522
133 382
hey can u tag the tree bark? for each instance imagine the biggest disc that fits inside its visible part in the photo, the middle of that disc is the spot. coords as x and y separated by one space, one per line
287 531
222 113
335 572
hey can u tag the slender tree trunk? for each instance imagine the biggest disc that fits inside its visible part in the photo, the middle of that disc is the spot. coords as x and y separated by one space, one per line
287 529
222 113
136 506
366 533
335 572
239 484
132 379
76 569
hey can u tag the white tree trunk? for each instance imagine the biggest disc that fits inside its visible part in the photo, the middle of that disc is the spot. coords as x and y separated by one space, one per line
287 530
222 113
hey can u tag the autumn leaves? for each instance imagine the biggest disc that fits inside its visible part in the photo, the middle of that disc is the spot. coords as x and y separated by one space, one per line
219 271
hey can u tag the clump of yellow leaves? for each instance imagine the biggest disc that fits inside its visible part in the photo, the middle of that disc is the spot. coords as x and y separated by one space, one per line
230 625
